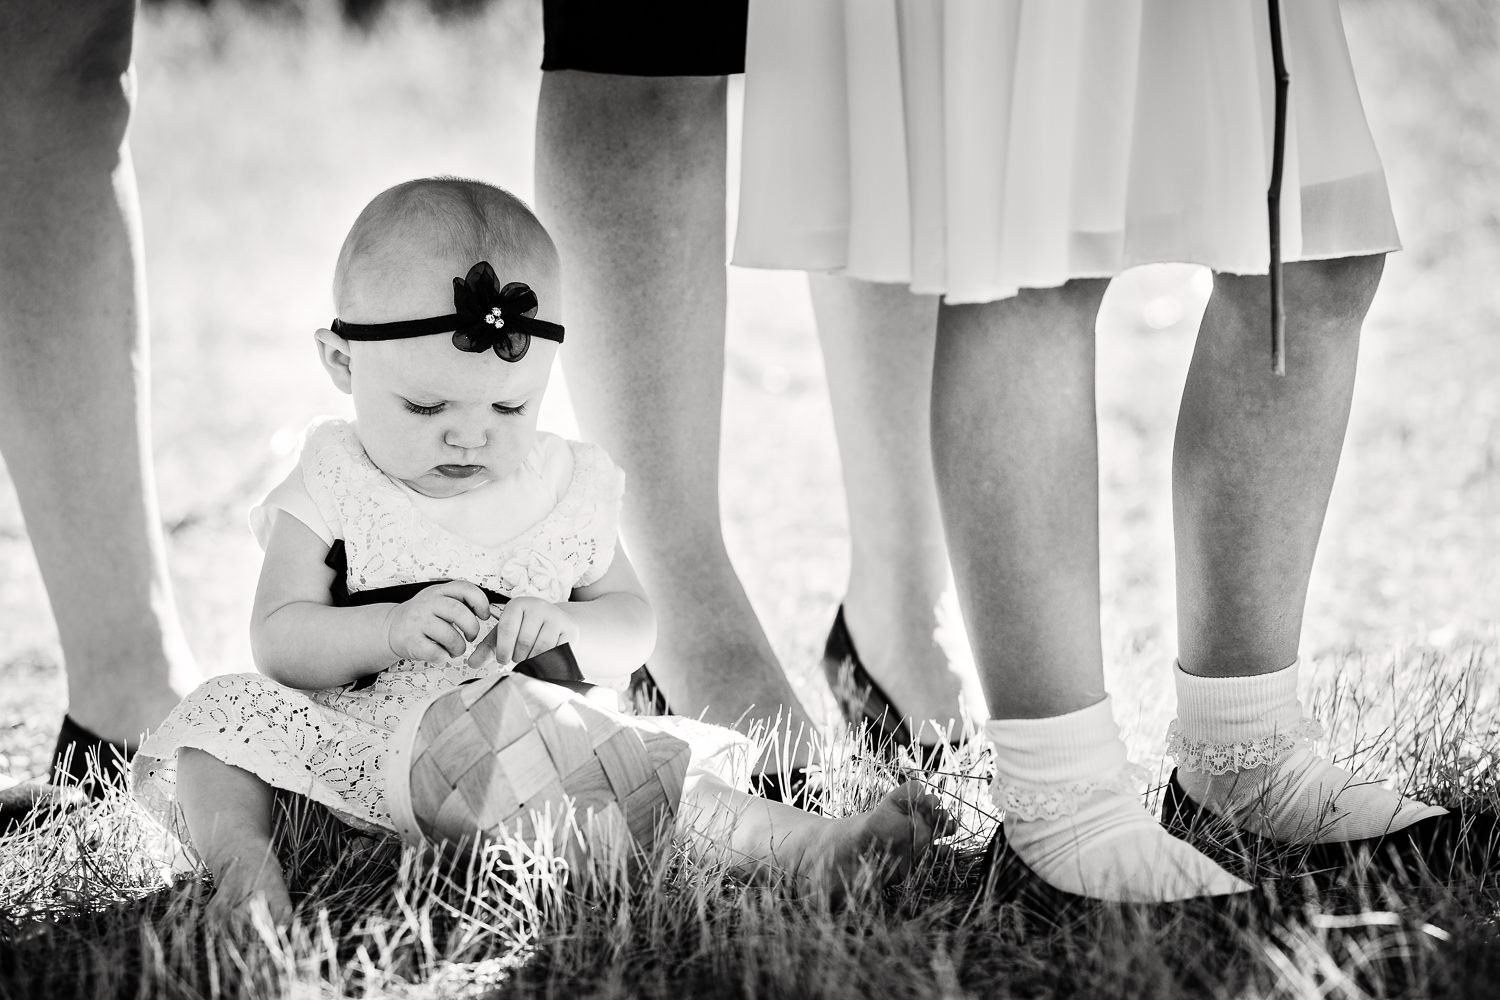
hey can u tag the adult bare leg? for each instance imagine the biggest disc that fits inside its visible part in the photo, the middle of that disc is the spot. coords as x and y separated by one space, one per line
1252 470
1016 454
631 181
878 342
1254 461
74 371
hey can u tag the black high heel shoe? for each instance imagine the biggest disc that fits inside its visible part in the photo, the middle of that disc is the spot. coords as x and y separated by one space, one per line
1453 845
84 765
30 802
791 786
644 696
77 748
1006 878
864 703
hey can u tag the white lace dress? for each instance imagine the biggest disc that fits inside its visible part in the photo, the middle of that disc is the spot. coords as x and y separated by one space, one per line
330 745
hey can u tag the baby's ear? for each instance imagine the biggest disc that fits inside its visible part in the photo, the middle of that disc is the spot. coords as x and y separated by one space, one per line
333 351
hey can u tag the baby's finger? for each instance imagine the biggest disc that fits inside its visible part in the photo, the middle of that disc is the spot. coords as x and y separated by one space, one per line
466 593
458 614
505 632
547 637
446 635
426 649
484 656
526 636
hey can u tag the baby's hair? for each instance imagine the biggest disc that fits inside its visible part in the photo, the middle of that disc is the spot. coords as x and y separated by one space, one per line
468 220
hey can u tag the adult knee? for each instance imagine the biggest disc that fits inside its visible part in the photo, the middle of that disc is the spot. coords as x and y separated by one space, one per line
1069 308
67 75
1338 289
1318 293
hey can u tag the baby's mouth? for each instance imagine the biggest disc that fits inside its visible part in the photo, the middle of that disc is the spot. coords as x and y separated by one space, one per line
460 471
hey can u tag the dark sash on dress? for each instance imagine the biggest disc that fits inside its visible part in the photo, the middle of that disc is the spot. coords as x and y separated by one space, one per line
557 665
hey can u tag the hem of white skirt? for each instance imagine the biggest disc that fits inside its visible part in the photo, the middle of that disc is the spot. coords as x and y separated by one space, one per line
165 810
997 293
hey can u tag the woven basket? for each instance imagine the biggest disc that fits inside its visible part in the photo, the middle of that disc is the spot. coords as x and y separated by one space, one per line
507 755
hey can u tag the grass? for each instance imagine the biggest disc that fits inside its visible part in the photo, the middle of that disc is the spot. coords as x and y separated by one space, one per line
257 139
86 913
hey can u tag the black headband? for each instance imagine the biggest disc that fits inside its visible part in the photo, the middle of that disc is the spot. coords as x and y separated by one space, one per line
484 316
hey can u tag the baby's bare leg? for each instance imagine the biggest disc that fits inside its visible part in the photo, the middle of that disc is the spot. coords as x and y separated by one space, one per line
762 840
228 812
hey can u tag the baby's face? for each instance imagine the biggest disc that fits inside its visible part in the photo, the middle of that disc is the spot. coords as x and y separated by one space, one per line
440 420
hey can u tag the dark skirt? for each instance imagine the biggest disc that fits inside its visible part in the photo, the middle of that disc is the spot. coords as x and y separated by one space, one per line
645 37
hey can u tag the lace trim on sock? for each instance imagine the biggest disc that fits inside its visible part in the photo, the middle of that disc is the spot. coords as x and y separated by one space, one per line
1022 801
1222 758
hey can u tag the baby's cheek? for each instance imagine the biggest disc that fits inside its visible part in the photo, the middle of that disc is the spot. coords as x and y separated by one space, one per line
512 450
395 457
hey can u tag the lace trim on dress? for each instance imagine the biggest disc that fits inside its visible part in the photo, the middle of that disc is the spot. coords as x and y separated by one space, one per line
1222 758
1023 801
388 541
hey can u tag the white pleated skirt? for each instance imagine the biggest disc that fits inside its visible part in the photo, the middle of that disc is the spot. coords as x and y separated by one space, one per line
971 148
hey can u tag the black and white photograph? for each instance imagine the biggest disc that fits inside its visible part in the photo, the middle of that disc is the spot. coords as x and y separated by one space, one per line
749 499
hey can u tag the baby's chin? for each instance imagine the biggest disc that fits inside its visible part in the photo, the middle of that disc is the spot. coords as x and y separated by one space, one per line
441 485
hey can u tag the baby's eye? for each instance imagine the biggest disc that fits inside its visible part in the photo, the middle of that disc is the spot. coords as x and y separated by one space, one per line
426 411
519 408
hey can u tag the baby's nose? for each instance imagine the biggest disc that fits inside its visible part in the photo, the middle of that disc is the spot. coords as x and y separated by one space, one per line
467 437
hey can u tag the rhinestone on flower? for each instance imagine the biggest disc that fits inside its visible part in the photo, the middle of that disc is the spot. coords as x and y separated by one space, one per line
494 318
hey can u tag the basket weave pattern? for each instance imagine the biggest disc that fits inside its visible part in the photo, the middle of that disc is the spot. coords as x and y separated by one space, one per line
491 756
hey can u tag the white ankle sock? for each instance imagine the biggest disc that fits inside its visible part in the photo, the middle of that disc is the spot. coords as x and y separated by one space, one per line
1073 816
1242 747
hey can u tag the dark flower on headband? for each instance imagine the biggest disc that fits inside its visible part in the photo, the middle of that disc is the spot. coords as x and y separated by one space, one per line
486 317
489 316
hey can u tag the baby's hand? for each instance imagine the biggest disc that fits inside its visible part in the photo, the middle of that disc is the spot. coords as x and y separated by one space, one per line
528 626
438 622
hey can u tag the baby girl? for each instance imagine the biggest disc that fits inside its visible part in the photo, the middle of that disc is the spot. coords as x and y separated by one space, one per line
440 518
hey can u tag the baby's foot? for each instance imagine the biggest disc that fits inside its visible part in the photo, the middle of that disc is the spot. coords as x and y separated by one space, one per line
1304 799
1112 849
244 875
890 839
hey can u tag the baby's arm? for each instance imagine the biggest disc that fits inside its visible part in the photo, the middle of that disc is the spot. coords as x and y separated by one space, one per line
299 639
616 623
